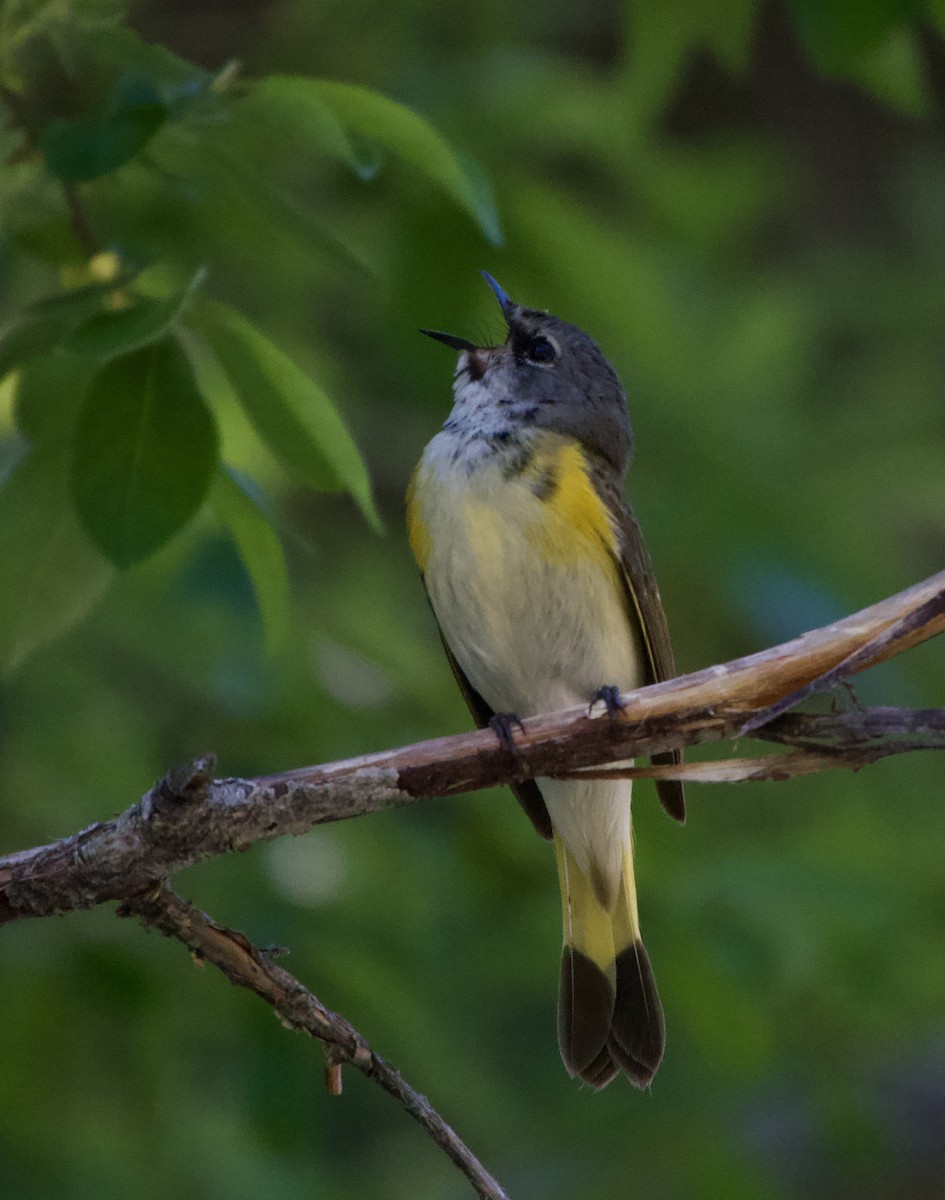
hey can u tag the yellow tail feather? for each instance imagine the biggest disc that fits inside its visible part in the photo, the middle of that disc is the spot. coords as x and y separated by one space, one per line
588 927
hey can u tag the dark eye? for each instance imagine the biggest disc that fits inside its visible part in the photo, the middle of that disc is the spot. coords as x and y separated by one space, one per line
540 350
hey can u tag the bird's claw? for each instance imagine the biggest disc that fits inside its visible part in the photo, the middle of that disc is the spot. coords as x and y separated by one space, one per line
609 696
501 725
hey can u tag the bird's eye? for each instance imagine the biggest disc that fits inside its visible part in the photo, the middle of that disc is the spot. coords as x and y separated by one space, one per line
541 350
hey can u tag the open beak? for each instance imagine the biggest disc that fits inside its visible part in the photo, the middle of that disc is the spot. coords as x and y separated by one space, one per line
450 339
453 340
507 305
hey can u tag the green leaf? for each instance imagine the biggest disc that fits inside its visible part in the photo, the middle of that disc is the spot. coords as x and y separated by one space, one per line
152 72
279 205
894 71
52 574
370 115
48 393
107 334
290 102
30 336
838 32
52 240
291 413
78 149
873 42
145 452
261 552
44 324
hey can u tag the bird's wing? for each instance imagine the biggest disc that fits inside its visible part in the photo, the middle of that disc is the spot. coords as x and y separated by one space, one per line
526 790
636 571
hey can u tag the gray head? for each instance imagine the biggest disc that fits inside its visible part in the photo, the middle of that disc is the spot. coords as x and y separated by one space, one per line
547 374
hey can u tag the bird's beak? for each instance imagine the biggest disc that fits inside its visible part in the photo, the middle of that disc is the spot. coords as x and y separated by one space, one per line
507 305
450 339
455 342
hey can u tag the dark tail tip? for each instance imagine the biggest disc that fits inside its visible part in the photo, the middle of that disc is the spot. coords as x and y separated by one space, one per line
638 1032
585 1011
601 1071
599 1032
670 791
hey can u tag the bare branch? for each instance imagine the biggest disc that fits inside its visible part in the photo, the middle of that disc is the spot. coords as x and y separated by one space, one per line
189 817
248 967
826 741
919 728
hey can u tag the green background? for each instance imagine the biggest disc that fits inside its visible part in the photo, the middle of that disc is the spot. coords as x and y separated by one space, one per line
742 203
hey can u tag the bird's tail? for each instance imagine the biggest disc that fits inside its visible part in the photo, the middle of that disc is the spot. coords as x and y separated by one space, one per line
609 1012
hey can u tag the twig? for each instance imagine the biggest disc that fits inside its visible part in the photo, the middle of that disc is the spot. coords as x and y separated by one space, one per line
189 817
78 218
79 221
825 742
861 726
775 768
248 967
873 651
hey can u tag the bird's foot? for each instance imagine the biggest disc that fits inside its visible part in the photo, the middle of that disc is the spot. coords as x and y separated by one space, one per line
501 725
609 696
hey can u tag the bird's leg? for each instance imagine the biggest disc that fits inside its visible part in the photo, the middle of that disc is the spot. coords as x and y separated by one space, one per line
609 696
501 725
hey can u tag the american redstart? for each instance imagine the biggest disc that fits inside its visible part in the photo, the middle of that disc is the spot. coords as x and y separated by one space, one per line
545 597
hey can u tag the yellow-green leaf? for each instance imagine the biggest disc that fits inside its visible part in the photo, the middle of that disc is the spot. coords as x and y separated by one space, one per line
261 552
107 334
395 127
291 413
52 574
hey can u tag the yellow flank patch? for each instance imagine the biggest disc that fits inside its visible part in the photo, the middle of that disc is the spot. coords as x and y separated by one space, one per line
417 531
575 522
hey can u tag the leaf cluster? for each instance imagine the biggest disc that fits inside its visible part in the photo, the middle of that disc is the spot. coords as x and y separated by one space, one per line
114 373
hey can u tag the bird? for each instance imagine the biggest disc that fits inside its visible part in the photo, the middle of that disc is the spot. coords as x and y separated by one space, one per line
545 597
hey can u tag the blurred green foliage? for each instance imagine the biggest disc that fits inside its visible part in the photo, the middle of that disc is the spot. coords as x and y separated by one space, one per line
742 202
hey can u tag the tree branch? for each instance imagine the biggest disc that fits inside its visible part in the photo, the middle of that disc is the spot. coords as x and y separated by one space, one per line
79 221
189 817
825 742
249 967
